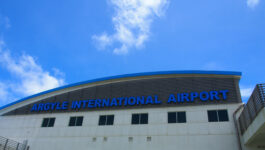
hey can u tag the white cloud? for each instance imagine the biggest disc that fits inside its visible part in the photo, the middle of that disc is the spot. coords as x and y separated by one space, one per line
252 3
104 40
4 21
246 92
213 66
29 77
3 91
58 73
1 44
132 22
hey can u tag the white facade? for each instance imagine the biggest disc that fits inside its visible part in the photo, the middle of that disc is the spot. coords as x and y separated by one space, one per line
197 133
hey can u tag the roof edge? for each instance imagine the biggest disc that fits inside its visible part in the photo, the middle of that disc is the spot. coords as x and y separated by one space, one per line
231 73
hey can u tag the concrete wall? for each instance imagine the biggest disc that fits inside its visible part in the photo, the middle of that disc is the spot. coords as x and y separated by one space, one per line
197 133
254 137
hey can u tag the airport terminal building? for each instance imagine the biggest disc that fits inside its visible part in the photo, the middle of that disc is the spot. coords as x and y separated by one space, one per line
168 110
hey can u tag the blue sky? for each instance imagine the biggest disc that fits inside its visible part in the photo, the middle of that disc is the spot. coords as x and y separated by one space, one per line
46 44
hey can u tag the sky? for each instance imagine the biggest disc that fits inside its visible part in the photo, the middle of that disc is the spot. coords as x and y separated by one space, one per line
46 44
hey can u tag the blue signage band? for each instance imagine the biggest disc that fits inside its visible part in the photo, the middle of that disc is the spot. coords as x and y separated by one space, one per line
132 101
231 73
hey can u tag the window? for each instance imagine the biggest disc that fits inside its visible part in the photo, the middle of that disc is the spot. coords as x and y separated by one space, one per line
130 139
48 122
105 139
217 115
176 117
106 120
94 139
140 118
148 139
76 121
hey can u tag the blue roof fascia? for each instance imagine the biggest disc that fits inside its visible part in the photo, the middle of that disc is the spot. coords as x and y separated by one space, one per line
126 76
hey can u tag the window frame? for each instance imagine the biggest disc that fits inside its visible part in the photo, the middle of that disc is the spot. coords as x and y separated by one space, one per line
105 121
75 121
218 111
50 123
226 111
139 119
177 116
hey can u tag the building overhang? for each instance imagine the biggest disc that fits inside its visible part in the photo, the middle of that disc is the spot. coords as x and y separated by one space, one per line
120 78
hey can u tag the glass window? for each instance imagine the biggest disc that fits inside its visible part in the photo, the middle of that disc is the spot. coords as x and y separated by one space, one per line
48 122
172 117
76 121
102 120
176 117
45 122
143 118
223 116
79 121
135 118
51 122
106 120
217 115
212 116
72 121
181 117
140 118
110 120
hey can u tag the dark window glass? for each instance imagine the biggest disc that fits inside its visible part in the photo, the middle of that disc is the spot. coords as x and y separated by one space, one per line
102 120
51 122
140 118
222 114
181 117
110 120
212 116
72 121
135 118
45 122
172 117
176 117
106 120
217 115
76 121
79 121
143 118
48 122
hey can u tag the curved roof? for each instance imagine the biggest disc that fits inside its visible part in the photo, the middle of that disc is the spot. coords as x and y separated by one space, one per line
190 72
